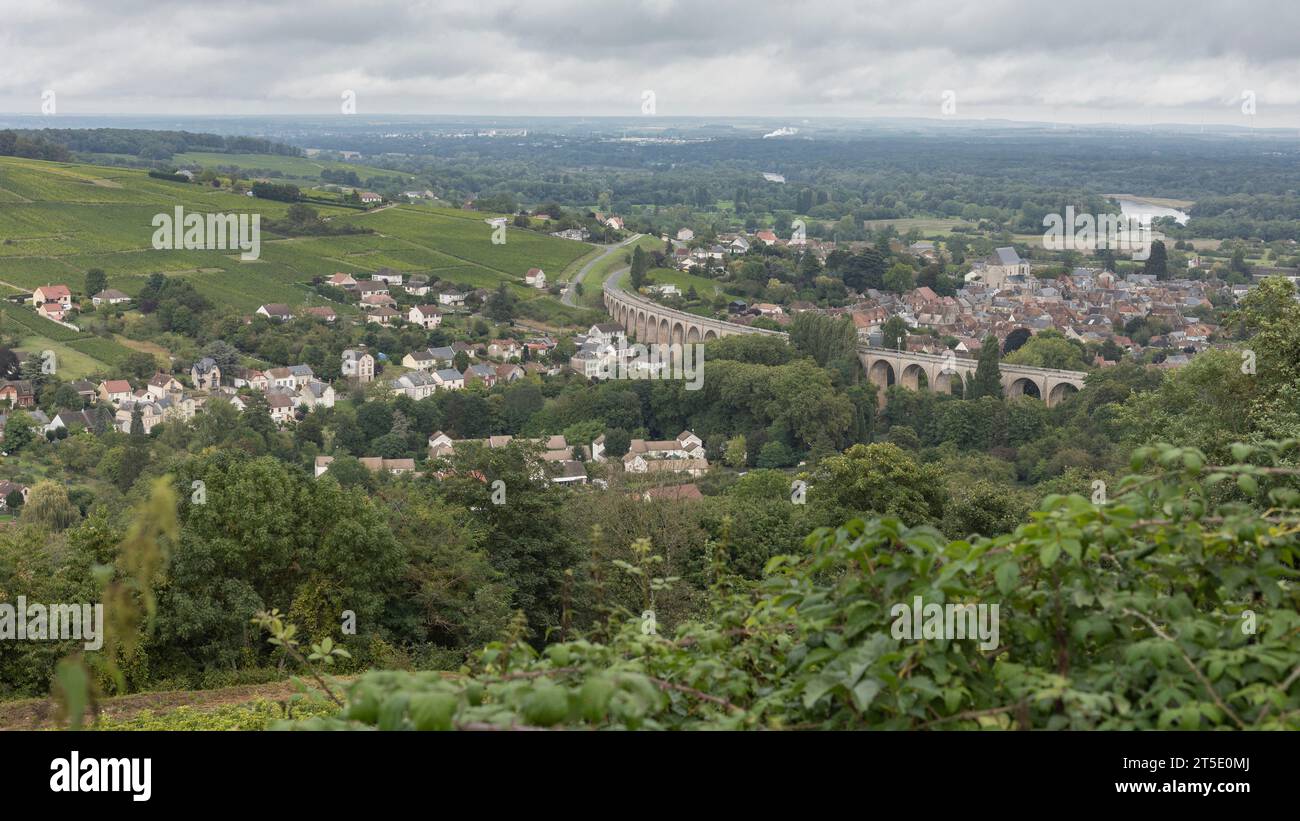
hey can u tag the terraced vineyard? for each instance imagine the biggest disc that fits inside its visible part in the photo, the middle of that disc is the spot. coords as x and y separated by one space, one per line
59 219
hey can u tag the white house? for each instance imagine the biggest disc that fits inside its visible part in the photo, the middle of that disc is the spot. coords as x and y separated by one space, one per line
52 293
358 365
109 296
277 311
206 374
163 385
420 361
281 406
316 394
535 277
449 379
415 384
426 316
606 333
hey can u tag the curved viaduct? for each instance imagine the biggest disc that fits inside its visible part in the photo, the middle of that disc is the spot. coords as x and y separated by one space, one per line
650 322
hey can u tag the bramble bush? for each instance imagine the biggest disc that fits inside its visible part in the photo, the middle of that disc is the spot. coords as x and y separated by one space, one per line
1172 606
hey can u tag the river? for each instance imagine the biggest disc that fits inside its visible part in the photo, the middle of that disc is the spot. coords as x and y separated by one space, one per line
1144 209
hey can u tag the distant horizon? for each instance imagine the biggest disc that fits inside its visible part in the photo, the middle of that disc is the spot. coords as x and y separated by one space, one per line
651 122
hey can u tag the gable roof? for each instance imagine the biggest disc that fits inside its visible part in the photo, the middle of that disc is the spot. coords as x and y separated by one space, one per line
1006 256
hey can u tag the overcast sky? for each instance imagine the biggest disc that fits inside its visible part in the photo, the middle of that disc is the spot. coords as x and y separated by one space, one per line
1097 61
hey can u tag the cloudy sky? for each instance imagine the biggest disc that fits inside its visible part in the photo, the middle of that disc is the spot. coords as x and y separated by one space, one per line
1098 61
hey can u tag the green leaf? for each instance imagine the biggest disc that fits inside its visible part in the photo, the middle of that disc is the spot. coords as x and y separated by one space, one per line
433 711
1049 553
1072 547
864 693
1007 576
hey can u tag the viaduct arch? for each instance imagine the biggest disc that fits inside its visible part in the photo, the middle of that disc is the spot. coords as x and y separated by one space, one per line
651 322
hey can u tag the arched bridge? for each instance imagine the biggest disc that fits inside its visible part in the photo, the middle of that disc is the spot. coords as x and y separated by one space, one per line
651 322
917 371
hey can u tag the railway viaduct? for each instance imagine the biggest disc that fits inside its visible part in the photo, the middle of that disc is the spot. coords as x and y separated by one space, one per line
650 322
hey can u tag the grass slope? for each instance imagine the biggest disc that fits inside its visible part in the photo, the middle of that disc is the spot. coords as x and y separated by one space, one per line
60 219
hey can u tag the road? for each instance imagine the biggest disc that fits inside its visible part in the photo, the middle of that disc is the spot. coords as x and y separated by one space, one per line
570 296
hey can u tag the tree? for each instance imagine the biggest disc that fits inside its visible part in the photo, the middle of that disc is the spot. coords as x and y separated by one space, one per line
349 472
900 278
48 506
1186 607
617 442
1015 339
140 365
1049 350
987 380
736 452
894 333
96 281
20 431
826 339
500 305
1157 262
864 270
639 266
226 356
776 454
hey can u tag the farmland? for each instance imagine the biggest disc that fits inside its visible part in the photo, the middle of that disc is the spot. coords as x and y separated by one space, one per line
304 168
77 354
59 219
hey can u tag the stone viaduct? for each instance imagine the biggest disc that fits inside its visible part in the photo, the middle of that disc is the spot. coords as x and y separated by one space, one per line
650 322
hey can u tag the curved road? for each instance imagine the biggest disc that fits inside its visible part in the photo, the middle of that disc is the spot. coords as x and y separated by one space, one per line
570 295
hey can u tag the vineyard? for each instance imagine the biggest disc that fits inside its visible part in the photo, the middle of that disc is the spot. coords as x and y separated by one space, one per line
60 220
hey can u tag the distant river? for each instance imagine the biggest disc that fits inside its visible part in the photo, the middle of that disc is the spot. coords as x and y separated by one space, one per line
1141 208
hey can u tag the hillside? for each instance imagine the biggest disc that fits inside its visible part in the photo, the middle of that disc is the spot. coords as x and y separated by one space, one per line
57 220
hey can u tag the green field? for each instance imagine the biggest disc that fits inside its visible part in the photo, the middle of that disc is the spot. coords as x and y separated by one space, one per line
295 167
77 353
704 286
928 226
594 282
60 219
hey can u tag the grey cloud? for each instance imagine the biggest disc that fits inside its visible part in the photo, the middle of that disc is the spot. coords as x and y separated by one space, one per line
725 57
